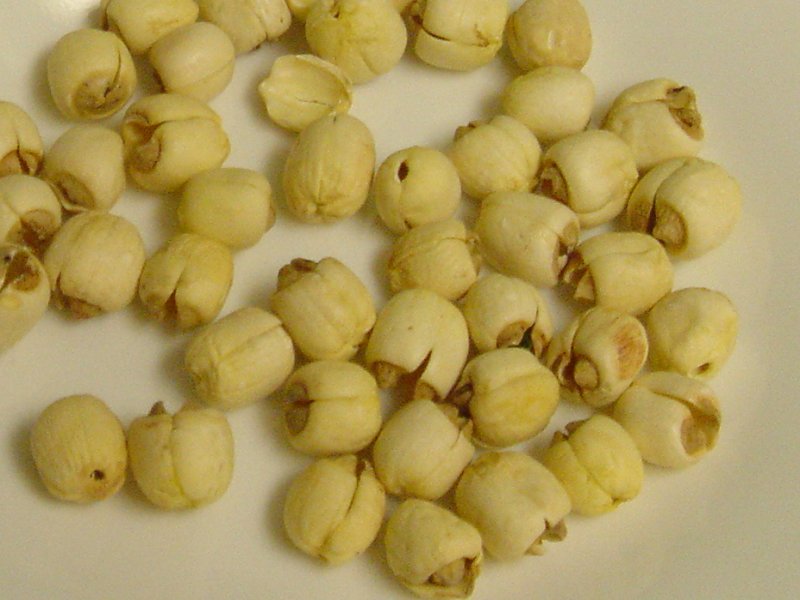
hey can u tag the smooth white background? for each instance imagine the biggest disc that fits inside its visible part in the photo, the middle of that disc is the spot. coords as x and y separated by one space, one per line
725 528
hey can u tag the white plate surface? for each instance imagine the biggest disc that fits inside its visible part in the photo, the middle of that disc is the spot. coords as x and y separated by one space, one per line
725 528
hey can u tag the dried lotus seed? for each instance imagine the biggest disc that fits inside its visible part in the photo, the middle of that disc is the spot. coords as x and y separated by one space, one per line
30 213
21 147
140 23
24 293
248 23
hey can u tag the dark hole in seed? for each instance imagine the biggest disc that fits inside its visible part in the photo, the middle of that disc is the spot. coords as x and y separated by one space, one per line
98 475
402 171
703 368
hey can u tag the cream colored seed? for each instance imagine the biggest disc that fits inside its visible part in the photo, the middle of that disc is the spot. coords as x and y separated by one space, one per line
364 39
508 394
515 503
24 293
78 447
239 359
441 256
692 331
550 32
432 551
187 280
592 172
658 119
334 508
505 311
169 138
598 464
422 449
21 148
29 211
461 44
300 8
329 168
598 355
500 155
673 419
324 306
91 74
93 263
553 102
86 168
415 186
628 271
527 235
140 23
196 60
303 88
417 331
690 205
248 23
331 407
183 460
233 206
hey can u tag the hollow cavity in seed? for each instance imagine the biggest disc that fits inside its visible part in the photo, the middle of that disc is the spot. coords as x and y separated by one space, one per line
451 574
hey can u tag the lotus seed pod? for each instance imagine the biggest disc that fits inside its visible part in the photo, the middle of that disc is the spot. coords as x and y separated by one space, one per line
21 148
692 331
334 508
422 449
364 38
91 74
86 168
658 119
329 168
527 235
195 60
24 293
187 280
553 102
508 394
418 332
93 263
230 205
331 407
29 211
673 419
628 271
504 311
303 88
550 32
416 186
460 35
324 306
501 155
239 359
169 138
248 23
183 460
598 355
515 503
78 447
140 23
441 256
598 464
432 551
688 204
592 172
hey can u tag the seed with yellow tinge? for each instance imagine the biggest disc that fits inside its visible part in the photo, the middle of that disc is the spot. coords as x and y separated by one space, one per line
78 447
183 460
140 23
24 293
30 213
598 464
249 23
432 551
21 146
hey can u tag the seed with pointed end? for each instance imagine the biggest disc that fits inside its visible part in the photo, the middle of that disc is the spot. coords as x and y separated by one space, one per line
91 74
432 551
659 119
673 419
692 331
21 147
334 508
24 293
515 503
183 460
78 447
598 464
